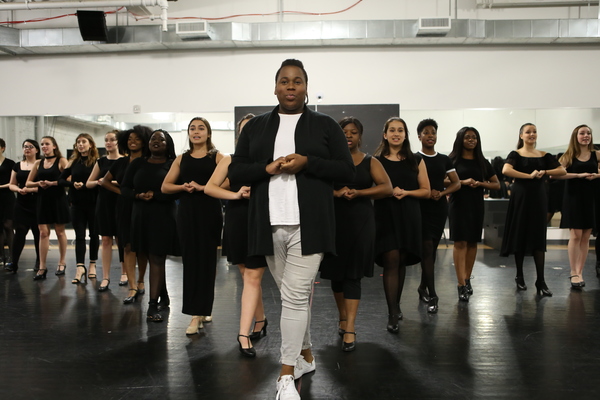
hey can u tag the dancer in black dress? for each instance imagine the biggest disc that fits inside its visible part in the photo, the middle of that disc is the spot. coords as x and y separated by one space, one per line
398 218
52 206
525 229
581 163
235 247
134 143
153 222
7 205
434 210
83 203
106 221
25 215
465 210
355 231
199 221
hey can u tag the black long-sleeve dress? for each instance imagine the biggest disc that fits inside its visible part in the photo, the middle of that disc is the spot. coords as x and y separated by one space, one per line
199 223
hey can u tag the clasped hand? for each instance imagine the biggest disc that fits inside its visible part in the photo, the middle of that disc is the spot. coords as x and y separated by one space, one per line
192 186
346 193
290 164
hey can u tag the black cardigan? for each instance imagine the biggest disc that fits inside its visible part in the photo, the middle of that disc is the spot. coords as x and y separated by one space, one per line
321 139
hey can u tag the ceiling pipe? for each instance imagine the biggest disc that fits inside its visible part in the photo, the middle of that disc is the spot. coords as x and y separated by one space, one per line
30 5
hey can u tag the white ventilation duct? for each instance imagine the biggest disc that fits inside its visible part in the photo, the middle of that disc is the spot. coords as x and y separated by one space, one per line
30 5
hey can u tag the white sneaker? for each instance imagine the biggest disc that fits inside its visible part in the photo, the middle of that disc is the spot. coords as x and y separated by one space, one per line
286 390
303 367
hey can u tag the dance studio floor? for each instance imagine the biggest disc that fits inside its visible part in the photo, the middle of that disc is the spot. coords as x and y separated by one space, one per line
65 341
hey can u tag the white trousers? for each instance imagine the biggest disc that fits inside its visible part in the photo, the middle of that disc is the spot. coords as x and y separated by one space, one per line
294 275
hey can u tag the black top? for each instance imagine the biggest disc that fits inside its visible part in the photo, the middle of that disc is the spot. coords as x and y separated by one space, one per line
28 200
79 172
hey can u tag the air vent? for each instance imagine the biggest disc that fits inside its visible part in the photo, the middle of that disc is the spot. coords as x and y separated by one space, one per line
434 26
192 30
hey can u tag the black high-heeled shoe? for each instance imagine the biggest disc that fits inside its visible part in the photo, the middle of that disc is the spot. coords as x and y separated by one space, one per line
576 285
542 289
80 277
123 282
423 295
463 294
152 313
469 287
348 347
142 290
392 326
520 283
263 332
60 271
39 276
246 352
104 288
131 299
164 302
340 330
92 275
432 305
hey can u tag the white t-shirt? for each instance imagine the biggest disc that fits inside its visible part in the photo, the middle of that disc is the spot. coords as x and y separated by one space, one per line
283 192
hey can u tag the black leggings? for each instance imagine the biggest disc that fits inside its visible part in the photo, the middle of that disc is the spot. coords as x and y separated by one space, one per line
21 229
85 216
350 287
6 236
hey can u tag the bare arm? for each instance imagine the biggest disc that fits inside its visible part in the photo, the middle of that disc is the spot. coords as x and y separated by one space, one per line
381 189
92 181
169 186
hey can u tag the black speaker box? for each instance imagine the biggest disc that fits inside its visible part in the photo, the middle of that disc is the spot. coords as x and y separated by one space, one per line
92 25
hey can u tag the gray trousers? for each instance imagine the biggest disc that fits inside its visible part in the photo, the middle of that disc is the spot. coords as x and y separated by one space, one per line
294 275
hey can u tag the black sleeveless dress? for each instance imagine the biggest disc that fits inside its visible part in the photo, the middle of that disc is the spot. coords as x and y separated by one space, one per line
106 220
398 222
199 223
124 206
52 204
25 206
578 210
355 231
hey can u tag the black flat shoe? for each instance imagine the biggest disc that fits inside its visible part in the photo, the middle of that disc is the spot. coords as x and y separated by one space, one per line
392 326
576 285
131 299
348 347
423 295
432 305
542 289
469 287
41 274
520 283
463 294
246 352
11 268
152 313
263 332
104 288
80 277
60 271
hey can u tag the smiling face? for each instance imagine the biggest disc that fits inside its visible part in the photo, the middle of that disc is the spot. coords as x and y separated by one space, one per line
428 137
290 90
29 150
584 136
395 134
134 142
529 134
47 147
83 146
470 140
352 136
158 144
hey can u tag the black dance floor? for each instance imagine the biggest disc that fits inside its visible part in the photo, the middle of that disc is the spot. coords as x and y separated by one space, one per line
65 341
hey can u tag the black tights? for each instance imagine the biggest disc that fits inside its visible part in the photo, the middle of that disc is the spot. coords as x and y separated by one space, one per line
6 236
85 217
158 283
538 259
394 272
428 265
19 241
